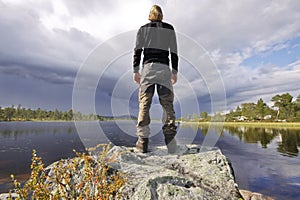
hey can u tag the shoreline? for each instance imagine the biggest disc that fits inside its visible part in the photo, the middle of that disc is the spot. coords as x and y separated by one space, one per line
294 124
107 120
249 124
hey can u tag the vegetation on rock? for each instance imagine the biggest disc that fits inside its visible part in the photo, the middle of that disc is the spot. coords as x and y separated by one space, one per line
86 176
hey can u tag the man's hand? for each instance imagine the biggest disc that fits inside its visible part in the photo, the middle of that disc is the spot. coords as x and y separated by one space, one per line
174 78
137 77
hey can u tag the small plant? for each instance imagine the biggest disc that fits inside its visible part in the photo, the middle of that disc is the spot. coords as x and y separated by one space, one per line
83 177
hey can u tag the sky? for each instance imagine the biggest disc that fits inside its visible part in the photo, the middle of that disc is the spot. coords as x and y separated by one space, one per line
251 50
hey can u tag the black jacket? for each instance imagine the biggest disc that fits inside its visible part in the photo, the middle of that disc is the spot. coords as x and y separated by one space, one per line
157 39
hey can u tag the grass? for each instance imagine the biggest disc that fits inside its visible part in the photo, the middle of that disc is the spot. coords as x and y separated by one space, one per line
295 125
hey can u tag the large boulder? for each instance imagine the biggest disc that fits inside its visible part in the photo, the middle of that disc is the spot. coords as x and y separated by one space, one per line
187 174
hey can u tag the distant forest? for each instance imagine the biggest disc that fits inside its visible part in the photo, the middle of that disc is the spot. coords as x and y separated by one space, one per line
284 109
20 113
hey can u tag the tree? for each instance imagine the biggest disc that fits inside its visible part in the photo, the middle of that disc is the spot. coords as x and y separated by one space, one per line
238 111
260 108
70 114
248 110
29 114
204 115
19 112
297 107
1 114
8 113
23 114
39 114
298 99
284 105
56 114
230 116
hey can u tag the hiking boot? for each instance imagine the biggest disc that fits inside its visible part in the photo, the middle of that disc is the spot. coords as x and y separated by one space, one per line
171 144
142 145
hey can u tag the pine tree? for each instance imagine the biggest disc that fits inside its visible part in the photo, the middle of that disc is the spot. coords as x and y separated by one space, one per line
260 108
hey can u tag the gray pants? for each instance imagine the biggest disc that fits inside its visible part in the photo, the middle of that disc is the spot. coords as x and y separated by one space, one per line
159 75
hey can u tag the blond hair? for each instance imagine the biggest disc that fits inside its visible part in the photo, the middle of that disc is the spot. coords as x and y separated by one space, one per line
155 13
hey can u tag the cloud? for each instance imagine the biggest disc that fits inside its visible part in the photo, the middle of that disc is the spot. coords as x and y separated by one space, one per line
47 75
25 41
34 93
231 25
47 41
102 19
248 85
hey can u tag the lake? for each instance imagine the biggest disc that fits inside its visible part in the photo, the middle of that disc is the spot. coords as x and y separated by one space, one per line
264 160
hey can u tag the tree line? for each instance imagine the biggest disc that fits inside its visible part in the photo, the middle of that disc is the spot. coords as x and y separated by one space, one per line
285 108
20 113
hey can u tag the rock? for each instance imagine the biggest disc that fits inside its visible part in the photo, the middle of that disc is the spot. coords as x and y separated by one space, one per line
159 175
248 195
190 173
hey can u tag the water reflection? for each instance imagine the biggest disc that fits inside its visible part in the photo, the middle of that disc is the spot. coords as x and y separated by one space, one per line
288 140
256 153
52 141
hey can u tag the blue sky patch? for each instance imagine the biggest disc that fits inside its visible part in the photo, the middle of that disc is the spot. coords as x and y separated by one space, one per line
280 58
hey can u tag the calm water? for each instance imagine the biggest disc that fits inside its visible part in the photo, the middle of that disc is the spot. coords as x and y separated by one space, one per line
264 160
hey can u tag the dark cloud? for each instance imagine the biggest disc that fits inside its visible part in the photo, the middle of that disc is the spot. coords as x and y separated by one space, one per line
62 76
38 65
34 93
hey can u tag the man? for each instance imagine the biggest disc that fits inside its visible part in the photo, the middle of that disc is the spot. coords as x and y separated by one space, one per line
156 40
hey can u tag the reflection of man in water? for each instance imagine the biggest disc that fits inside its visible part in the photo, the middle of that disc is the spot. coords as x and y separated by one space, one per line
156 40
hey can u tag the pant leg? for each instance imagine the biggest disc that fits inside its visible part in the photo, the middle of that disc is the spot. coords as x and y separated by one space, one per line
166 99
146 93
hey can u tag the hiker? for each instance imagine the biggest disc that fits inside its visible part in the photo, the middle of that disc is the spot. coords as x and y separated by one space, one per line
156 40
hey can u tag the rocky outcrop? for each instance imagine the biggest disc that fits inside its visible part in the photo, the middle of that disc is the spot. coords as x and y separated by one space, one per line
190 173
187 174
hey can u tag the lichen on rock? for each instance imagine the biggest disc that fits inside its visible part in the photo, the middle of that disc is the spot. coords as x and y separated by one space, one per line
159 175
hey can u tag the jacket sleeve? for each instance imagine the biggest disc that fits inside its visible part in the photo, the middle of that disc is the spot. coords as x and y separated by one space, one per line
173 50
138 51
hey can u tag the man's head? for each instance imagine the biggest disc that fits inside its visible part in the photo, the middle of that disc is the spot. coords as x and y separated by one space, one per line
155 13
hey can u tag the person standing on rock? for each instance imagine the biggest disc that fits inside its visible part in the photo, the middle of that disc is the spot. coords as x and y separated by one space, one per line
157 41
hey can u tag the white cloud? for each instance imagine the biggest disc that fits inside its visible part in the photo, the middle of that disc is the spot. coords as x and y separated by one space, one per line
295 65
99 18
60 34
26 41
